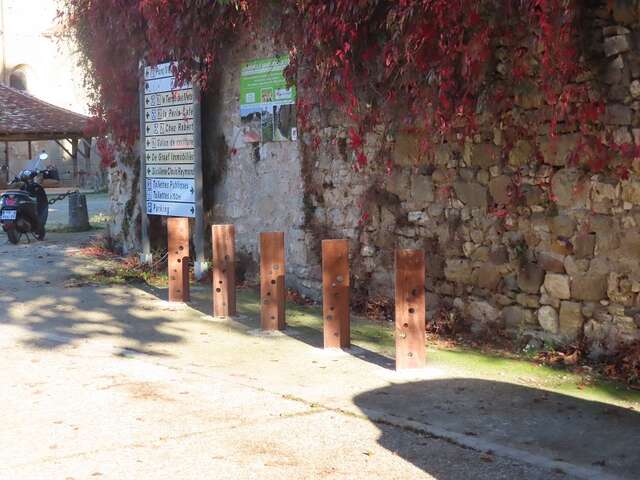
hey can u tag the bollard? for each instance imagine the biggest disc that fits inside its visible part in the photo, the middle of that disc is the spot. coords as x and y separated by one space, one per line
223 238
272 285
335 293
178 234
410 309
78 214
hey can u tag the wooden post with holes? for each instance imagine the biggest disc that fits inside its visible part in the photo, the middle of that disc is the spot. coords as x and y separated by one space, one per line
223 239
272 285
410 309
335 293
178 233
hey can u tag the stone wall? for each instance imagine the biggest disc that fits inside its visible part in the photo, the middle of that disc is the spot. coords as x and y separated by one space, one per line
560 264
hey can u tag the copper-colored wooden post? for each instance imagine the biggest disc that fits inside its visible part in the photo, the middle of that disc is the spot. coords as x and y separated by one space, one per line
410 309
223 239
335 293
272 285
178 230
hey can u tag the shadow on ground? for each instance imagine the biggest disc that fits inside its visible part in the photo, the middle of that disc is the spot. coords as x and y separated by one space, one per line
303 323
559 427
37 294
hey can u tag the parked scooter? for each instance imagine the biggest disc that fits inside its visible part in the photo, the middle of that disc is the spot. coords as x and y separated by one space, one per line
25 210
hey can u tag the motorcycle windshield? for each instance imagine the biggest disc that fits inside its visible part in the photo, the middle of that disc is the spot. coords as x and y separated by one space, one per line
31 165
34 164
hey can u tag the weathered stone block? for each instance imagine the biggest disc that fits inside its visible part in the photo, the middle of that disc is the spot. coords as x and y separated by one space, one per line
624 11
399 182
482 311
416 217
557 151
616 45
617 114
557 286
589 287
584 245
458 270
484 155
562 225
533 195
570 320
528 300
631 192
604 195
551 261
619 289
521 153
530 278
422 189
471 194
499 188
499 255
407 151
489 276
548 319
516 317
569 188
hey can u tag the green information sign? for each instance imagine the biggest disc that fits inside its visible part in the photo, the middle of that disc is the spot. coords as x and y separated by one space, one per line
267 104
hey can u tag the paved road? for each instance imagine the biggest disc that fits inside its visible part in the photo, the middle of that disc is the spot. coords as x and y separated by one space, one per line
113 382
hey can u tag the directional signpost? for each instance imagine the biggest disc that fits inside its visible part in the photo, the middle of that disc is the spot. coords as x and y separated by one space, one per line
171 183
169 143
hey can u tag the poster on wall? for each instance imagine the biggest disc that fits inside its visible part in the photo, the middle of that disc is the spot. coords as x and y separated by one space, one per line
267 104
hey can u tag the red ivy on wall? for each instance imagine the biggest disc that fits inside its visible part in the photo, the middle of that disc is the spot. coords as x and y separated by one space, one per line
444 68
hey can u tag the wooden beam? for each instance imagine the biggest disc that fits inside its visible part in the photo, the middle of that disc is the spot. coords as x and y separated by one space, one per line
30 151
224 270
64 148
272 284
86 153
410 309
37 137
335 293
178 243
74 157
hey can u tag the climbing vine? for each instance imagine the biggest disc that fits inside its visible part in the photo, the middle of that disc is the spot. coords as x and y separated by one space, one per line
446 69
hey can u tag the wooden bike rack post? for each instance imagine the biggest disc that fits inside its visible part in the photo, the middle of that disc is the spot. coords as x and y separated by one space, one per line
272 286
223 238
178 233
410 309
335 293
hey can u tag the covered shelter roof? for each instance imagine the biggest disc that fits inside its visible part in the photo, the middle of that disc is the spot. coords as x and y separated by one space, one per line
27 118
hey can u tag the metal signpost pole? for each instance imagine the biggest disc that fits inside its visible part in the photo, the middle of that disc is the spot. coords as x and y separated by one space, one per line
145 258
200 266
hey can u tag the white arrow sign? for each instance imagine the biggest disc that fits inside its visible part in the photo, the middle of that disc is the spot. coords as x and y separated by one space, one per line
179 112
171 171
174 127
169 209
169 142
159 71
166 84
168 190
177 97
169 156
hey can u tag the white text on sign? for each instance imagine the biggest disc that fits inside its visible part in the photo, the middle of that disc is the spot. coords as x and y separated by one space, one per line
168 190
